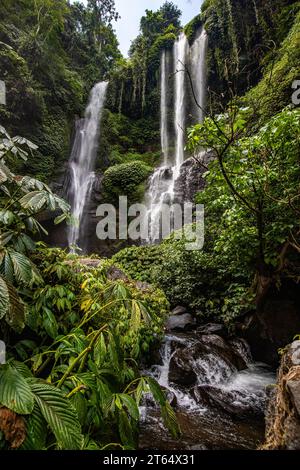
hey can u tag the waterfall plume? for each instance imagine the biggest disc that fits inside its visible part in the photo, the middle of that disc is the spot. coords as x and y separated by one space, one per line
83 157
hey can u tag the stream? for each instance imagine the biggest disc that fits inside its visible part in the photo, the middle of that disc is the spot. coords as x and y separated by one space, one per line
218 392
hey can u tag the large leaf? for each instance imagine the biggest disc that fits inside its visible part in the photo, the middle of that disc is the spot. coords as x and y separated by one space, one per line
126 431
11 306
60 416
15 317
156 391
35 200
170 420
22 267
36 431
131 406
4 298
15 393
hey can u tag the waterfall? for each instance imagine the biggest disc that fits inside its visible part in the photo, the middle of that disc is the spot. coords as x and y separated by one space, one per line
83 156
163 108
198 72
180 57
166 184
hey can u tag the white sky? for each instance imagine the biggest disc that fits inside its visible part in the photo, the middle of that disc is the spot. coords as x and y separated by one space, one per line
131 11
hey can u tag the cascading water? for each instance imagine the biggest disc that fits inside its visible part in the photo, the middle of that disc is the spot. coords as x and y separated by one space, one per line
82 160
180 58
164 185
198 65
217 390
163 108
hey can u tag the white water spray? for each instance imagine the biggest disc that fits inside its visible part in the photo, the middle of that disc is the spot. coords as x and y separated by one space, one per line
198 70
83 156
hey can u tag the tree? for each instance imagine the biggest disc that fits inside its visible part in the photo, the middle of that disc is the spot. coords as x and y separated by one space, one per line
253 183
155 23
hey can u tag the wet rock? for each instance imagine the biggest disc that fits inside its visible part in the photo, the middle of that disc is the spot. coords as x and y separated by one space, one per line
221 348
212 329
143 286
116 274
235 403
276 321
181 370
179 310
294 389
283 416
295 353
180 322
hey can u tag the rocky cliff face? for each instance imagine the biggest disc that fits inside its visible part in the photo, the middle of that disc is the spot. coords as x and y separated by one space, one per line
283 418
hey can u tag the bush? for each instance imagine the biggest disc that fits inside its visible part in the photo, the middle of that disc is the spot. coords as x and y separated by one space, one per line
126 180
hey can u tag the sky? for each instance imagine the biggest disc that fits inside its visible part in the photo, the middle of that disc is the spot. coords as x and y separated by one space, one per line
131 11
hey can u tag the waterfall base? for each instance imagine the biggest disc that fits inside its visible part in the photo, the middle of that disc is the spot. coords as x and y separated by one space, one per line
219 394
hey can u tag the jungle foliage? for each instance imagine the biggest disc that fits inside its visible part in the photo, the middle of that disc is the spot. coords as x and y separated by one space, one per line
75 336
51 54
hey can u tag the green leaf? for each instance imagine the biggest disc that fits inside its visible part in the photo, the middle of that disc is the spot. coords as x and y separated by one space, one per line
15 393
4 298
125 430
36 431
60 415
170 420
15 312
131 406
158 394
22 267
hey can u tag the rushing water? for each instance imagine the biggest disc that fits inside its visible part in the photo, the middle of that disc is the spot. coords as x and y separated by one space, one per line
198 65
163 187
180 59
222 409
164 134
82 160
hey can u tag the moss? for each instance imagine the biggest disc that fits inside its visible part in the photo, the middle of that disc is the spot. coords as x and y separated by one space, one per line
242 36
275 89
192 28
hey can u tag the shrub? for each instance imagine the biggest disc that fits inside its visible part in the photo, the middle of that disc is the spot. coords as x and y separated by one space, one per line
126 180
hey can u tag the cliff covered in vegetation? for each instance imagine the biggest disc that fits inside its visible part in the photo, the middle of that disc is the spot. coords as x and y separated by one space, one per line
78 329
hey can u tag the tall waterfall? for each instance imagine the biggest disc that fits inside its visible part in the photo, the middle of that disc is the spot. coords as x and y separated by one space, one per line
164 183
164 135
180 58
83 156
198 58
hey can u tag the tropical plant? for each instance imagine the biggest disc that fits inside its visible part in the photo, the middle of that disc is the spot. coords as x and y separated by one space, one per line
22 198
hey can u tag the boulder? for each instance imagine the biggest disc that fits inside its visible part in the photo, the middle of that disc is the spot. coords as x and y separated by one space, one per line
293 386
217 345
235 403
283 416
180 322
179 310
212 329
181 370
275 323
116 274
